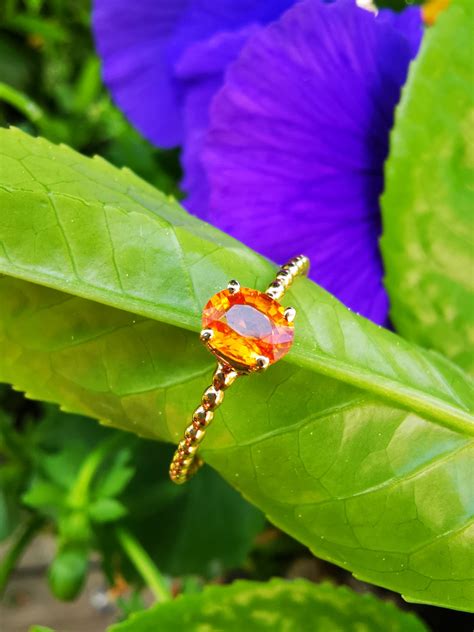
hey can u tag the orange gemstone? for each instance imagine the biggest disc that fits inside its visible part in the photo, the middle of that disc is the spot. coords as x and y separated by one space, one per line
247 325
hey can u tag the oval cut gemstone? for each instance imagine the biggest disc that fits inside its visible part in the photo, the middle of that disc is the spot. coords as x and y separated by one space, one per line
246 325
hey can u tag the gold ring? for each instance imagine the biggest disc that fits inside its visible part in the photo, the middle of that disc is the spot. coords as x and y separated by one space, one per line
246 330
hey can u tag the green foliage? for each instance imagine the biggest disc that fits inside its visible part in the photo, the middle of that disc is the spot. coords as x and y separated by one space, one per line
428 202
16 62
278 605
63 486
12 478
164 515
84 480
359 445
50 84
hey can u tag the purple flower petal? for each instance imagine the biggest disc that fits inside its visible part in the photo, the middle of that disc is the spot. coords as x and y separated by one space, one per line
201 70
409 24
298 138
139 43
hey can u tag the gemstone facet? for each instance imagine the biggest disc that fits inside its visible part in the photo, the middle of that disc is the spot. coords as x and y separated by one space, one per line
246 325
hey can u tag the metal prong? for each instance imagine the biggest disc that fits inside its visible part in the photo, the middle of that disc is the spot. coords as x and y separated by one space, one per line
206 335
262 363
290 313
233 286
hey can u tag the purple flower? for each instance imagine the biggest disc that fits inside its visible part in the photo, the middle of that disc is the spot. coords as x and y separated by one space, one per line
141 44
285 126
298 137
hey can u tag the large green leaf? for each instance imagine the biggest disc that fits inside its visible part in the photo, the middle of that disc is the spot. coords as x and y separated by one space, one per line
427 206
280 606
358 444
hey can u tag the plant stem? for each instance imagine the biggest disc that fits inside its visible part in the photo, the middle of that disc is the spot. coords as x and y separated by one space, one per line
144 564
21 102
24 537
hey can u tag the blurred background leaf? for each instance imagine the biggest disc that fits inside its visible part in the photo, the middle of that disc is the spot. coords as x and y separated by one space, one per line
50 84
280 606
82 479
428 200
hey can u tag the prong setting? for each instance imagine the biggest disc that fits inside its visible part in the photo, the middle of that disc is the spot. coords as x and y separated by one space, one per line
233 286
262 363
290 313
206 335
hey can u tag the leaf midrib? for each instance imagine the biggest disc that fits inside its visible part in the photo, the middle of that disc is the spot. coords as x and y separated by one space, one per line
435 409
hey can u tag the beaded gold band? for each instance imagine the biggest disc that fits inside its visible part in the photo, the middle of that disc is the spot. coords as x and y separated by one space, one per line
246 330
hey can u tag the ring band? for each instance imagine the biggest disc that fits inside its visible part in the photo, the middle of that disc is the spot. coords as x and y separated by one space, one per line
246 330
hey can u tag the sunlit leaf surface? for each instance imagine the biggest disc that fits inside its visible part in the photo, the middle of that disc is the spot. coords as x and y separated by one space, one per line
428 203
359 444
277 605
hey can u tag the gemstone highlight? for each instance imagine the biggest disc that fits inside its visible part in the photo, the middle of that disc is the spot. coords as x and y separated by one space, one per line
247 325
